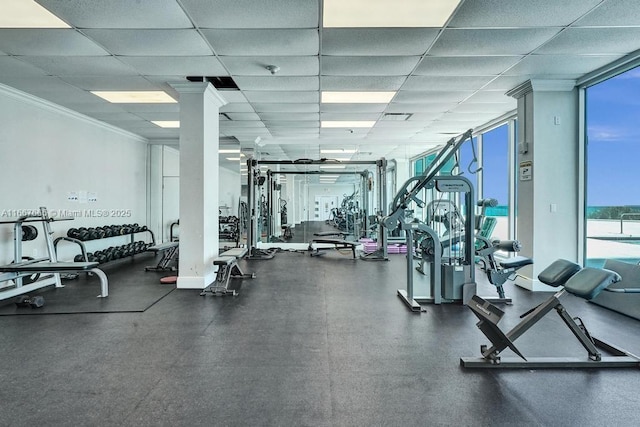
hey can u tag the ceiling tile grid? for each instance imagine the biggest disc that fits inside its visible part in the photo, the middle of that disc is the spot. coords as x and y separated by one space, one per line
447 79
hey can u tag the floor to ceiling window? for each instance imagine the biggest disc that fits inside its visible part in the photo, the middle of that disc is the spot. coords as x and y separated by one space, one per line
495 176
612 194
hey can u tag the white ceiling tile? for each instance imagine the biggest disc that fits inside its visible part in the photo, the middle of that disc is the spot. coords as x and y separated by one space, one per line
80 65
368 65
242 116
613 13
253 14
109 83
423 97
119 13
11 66
49 42
279 97
506 83
519 13
350 116
276 83
425 117
292 124
445 83
420 107
241 124
236 107
256 65
287 107
377 41
284 42
498 108
151 42
542 65
159 115
490 96
176 65
366 83
272 117
232 96
594 41
465 65
491 41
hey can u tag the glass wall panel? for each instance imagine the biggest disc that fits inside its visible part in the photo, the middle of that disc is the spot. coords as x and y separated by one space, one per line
612 195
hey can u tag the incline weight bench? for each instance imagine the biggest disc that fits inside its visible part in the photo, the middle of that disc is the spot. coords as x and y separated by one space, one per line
31 267
169 253
228 269
337 244
586 283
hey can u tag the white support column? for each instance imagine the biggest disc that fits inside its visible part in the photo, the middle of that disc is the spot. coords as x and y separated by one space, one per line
199 141
547 162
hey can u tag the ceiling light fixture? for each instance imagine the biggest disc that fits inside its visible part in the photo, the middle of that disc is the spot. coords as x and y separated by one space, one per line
387 13
135 97
167 124
27 14
333 97
338 151
347 124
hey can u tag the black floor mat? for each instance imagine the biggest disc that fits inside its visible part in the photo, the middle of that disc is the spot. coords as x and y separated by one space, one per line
131 289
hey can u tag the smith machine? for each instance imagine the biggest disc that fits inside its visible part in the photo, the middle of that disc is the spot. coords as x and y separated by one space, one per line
452 275
259 219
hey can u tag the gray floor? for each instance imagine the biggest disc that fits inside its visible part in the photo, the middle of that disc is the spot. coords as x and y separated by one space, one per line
320 341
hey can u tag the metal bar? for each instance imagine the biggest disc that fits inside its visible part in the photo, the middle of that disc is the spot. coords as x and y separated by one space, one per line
551 363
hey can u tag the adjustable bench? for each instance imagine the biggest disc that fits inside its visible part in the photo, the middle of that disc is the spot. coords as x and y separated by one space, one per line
584 283
228 269
337 244
169 253
30 267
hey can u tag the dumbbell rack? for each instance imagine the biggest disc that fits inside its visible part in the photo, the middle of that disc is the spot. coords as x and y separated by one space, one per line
84 256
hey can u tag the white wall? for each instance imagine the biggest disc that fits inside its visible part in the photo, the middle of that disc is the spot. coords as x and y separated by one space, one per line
48 153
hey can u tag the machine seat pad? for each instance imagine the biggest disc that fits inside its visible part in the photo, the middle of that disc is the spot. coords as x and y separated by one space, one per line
162 246
46 267
589 282
516 262
226 260
558 272
235 252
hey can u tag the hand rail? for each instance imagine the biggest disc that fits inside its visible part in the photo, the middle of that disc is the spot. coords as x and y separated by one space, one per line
622 216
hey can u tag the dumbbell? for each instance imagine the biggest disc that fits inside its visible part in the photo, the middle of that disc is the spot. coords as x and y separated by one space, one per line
29 232
101 232
73 233
78 258
91 257
36 301
83 234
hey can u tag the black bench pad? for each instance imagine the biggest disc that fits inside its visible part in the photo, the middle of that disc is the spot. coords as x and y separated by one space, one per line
558 272
162 246
516 262
589 282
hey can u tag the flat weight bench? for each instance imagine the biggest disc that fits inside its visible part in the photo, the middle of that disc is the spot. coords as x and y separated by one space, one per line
587 284
337 244
169 253
228 269
56 267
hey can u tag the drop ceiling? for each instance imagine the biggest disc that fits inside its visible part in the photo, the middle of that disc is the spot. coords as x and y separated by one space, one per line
447 79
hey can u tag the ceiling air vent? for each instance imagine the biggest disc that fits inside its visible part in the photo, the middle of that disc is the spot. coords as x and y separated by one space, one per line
396 117
223 82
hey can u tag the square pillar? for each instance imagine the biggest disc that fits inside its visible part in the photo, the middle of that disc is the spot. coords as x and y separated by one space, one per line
199 140
547 175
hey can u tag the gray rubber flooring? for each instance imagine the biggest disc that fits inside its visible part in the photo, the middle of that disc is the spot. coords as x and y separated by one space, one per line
312 341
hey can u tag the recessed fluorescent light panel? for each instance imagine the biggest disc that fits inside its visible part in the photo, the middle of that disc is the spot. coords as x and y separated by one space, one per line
229 151
27 14
135 97
338 151
166 123
347 124
387 13
234 159
342 97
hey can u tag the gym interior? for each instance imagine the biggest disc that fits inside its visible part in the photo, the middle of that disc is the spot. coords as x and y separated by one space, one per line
304 212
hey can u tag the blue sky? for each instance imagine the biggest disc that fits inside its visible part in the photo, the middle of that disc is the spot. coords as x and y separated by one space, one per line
613 132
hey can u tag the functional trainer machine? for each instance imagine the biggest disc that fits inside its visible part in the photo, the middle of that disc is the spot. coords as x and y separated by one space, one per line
453 279
585 283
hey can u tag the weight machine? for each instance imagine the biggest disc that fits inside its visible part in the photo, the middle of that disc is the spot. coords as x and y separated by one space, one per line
451 278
